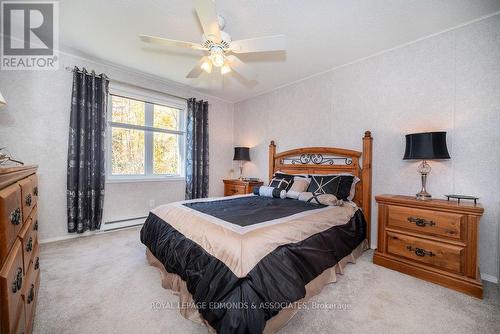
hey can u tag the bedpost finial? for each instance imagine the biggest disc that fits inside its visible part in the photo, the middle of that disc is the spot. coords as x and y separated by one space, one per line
368 134
272 143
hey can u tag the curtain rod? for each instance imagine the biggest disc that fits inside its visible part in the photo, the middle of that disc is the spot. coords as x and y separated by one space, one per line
70 69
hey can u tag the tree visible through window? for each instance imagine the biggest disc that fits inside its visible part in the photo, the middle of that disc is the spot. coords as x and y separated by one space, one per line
147 139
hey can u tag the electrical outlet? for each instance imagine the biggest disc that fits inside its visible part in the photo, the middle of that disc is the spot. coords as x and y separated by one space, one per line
151 203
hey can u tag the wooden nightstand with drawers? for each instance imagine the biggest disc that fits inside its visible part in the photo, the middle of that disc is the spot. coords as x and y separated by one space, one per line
239 187
435 240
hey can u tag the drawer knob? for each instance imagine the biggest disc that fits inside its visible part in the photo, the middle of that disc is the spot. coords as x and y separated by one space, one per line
28 199
35 191
29 245
31 294
420 251
15 216
421 222
18 281
35 227
37 263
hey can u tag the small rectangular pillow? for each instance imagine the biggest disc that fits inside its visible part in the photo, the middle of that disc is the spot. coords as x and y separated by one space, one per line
337 185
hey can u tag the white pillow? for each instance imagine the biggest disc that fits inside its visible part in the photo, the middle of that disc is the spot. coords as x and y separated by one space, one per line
272 192
300 184
353 188
293 194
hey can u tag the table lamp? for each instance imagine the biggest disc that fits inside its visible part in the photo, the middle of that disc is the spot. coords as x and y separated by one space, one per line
425 146
241 154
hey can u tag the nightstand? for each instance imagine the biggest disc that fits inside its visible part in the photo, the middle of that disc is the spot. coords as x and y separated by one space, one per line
239 187
435 240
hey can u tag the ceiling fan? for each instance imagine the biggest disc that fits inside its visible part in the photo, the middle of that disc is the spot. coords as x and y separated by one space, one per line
218 45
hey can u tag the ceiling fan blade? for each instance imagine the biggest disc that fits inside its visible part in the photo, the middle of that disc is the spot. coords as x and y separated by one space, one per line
196 71
240 67
208 19
171 42
259 44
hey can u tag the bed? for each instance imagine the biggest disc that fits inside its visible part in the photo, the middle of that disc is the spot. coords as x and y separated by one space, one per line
246 263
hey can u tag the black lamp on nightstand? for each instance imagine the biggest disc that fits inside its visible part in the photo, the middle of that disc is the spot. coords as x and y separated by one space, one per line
425 146
241 154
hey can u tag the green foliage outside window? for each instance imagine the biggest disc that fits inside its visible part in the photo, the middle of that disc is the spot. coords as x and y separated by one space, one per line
128 155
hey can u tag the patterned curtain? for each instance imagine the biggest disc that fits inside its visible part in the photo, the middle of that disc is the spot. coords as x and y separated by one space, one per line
197 149
87 128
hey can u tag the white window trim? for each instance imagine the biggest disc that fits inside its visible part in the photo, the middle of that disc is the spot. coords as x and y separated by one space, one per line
147 96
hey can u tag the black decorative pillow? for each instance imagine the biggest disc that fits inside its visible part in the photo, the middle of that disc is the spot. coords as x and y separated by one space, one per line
338 185
282 181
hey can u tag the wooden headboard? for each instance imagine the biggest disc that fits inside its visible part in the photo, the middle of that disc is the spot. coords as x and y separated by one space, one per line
330 160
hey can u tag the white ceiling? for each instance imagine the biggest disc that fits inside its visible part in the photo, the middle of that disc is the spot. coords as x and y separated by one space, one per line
321 34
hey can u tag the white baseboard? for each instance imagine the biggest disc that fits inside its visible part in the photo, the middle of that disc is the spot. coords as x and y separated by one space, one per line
489 278
107 229
66 237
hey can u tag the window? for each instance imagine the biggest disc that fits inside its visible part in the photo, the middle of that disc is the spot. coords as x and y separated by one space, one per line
146 137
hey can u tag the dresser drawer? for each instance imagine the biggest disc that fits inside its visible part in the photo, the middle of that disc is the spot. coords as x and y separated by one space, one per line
11 283
21 321
34 217
437 254
430 222
30 294
28 200
35 261
34 183
28 238
11 218
234 189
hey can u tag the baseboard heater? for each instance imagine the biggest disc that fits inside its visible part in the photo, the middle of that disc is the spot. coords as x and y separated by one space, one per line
125 220
124 223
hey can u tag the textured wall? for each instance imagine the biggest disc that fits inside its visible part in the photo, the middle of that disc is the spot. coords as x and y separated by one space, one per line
448 82
34 128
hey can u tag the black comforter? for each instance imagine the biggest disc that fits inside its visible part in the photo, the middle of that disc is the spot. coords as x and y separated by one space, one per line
242 305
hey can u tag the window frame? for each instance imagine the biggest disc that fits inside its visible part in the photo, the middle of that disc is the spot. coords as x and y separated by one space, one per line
150 99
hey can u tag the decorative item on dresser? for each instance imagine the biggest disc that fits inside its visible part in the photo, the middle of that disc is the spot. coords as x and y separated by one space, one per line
435 240
240 187
425 146
19 250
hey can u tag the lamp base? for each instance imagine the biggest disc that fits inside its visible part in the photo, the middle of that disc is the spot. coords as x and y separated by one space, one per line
241 171
424 169
423 196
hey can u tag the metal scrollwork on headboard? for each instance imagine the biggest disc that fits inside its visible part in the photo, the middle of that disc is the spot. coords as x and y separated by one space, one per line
316 159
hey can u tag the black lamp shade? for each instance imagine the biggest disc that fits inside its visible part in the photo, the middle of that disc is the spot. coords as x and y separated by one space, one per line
241 154
426 146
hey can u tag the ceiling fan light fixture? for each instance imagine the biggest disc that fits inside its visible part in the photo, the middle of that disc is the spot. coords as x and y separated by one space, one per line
225 69
206 66
218 46
217 59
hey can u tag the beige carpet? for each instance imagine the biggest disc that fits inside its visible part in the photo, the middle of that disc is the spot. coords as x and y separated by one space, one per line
103 284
